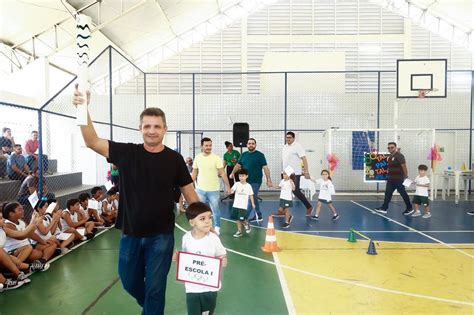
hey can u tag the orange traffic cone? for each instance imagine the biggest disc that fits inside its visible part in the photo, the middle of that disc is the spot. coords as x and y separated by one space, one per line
270 239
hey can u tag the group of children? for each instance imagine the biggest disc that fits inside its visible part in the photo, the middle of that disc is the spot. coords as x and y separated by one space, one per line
27 247
243 193
202 299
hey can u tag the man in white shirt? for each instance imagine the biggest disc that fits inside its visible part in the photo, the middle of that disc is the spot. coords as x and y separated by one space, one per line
293 155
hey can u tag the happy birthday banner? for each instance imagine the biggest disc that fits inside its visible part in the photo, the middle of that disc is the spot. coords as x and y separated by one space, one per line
375 166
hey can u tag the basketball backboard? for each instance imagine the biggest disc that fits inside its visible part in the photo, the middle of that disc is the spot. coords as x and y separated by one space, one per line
415 75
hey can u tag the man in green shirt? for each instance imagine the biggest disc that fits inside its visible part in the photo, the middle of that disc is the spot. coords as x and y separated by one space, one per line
254 161
231 157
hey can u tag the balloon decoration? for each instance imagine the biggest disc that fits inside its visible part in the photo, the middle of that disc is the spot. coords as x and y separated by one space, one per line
333 161
434 155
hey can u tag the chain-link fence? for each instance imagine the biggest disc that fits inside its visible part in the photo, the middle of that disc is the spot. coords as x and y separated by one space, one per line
208 104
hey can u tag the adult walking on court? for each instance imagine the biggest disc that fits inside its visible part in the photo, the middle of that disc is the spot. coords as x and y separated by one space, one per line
293 154
254 161
149 172
207 168
397 172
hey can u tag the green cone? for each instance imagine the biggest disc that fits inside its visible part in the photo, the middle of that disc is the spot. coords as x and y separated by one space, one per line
352 237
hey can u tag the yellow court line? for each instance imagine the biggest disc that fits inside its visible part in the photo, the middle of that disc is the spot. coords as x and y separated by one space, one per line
352 283
442 276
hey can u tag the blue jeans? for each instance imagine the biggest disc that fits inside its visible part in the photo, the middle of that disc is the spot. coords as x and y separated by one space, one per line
144 263
256 189
211 197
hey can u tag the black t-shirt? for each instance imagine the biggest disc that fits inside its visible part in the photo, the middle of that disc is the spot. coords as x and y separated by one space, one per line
148 183
395 171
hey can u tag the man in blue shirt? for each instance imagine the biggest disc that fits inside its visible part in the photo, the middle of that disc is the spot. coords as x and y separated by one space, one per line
254 161
17 168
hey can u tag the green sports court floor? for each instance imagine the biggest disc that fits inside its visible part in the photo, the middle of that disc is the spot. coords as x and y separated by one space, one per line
422 267
85 281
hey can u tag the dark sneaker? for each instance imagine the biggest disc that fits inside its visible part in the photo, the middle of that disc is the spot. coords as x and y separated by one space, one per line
381 210
470 212
256 218
23 277
89 236
314 217
290 219
38 266
10 284
408 211
335 217
285 225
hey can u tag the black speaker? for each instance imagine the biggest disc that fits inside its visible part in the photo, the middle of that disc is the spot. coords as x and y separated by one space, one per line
240 134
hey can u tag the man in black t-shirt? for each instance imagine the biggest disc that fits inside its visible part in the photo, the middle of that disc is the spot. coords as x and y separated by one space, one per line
6 148
397 172
6 141
149 175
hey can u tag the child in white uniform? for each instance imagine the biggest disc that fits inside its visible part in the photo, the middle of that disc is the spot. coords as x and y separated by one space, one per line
242 193
46 230
326 189
422 183
287 185
109 210
201 299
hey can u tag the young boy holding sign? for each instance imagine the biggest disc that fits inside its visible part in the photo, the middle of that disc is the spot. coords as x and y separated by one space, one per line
201 298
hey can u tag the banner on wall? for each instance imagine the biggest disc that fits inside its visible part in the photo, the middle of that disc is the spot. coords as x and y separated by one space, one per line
362 141
376 166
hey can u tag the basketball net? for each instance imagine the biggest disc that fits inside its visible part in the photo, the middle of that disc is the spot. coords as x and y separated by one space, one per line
422 93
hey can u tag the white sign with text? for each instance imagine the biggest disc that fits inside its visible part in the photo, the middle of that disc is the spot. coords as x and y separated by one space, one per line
199 269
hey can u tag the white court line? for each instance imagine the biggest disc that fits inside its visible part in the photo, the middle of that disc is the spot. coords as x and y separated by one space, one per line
80 244
310 234
412 229
341 231
367 286
286 292
253 226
